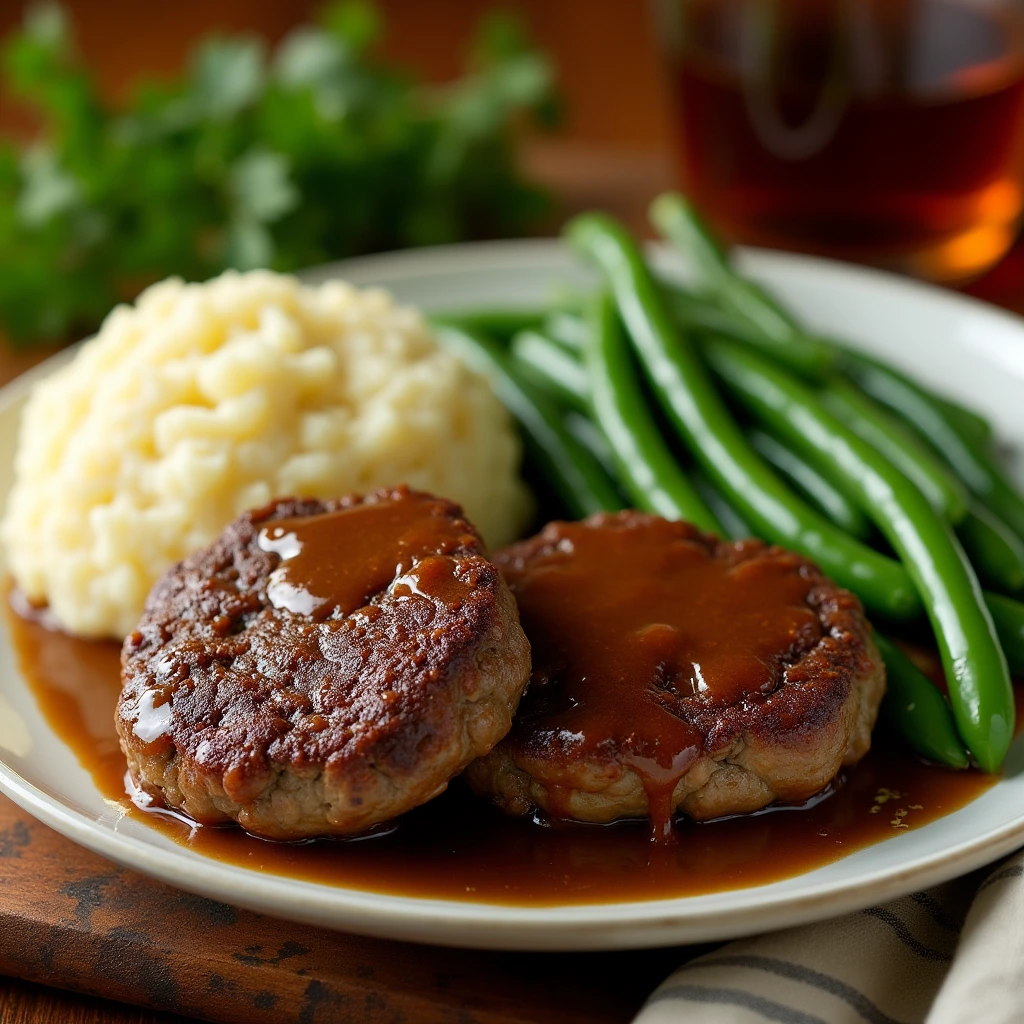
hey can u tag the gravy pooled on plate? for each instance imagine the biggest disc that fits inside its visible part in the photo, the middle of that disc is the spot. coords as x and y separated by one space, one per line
456 847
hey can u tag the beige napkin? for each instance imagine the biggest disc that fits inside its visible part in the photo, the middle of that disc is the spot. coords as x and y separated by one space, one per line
952 955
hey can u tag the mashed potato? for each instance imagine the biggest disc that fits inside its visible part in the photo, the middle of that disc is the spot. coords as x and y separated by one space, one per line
202 401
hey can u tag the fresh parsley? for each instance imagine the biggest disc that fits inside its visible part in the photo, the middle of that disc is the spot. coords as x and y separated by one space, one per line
254 158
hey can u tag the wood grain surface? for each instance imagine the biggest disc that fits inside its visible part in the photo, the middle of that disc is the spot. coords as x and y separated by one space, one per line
25 1003
71 919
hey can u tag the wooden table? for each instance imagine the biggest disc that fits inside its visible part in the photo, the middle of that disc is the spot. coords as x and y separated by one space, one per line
72 919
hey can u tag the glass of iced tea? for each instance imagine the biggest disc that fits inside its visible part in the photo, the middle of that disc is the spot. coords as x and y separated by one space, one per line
882 131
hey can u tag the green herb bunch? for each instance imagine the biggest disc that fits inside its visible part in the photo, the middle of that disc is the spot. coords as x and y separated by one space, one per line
277 159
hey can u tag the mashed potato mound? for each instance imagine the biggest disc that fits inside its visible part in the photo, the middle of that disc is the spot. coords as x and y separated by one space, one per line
202 401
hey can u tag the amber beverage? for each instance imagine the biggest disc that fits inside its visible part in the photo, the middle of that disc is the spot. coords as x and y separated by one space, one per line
884 131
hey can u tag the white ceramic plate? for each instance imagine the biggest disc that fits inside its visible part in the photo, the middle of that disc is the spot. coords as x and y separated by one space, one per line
973 352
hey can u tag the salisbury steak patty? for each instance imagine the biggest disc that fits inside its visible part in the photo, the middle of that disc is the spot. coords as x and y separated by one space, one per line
322 667
672 671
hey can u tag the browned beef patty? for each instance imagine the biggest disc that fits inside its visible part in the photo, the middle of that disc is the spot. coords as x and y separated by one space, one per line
322 667
673 671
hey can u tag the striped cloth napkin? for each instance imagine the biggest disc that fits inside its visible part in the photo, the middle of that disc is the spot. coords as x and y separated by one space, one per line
951 955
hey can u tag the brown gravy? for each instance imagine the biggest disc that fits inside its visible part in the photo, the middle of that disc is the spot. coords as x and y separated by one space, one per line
372 536
632 619
458 847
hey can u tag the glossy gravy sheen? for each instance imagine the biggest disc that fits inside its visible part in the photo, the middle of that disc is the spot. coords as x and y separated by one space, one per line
629 619
458 847
412 531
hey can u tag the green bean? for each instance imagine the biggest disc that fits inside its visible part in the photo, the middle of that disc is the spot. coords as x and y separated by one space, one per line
695 408
994 549
973 426
1008 615
497 323
699 313
769 323
915 709
573 473
647 468
970 423
1000 494
588 433
677 220
551 368
818 490
690 311
733 523
565 328
996 552
900 445
640 460
975 466
980 690
749 304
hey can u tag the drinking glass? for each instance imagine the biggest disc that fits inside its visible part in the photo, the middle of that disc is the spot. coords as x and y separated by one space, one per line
882 131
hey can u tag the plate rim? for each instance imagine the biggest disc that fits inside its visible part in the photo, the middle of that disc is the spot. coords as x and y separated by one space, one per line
638 924
631 924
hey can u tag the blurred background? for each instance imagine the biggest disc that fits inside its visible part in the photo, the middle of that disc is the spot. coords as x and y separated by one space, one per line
608 70
143 140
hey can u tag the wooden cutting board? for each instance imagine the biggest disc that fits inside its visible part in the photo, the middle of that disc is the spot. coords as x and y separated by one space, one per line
71 919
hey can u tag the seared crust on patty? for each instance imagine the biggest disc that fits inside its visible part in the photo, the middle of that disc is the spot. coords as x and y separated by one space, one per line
233 709
785 744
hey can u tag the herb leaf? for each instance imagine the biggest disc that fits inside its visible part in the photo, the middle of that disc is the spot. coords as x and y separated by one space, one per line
285 159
